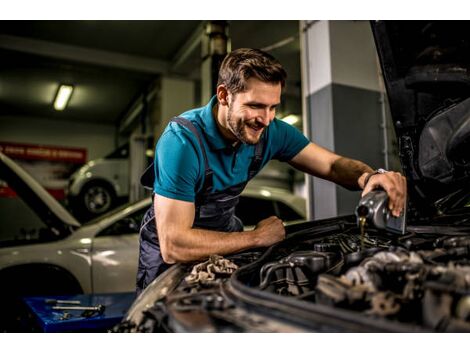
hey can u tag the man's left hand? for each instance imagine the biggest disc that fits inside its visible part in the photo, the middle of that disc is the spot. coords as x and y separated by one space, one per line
394 184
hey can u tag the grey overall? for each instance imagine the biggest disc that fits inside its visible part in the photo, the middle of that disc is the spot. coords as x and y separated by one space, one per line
214 211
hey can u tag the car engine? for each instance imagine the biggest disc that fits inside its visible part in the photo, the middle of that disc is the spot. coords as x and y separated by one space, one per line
423 280
325 278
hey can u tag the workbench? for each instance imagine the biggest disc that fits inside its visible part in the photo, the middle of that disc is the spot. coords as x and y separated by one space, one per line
50 320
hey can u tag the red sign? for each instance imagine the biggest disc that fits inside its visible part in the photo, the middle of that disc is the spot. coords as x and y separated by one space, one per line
51 166
43 152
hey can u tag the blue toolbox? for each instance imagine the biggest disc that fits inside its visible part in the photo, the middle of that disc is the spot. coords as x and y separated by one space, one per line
74 313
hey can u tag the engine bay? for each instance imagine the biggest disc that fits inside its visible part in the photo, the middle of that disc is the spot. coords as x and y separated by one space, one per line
416 279
415 282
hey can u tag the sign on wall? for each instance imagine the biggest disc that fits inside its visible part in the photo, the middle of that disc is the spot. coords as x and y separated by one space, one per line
51 166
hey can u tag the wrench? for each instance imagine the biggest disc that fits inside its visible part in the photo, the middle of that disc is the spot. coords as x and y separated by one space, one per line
99 308
60 301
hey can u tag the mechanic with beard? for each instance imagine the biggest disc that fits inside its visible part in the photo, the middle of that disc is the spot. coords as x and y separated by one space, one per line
206 156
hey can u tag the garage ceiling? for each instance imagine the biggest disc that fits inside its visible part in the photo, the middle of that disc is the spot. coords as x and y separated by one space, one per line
113 62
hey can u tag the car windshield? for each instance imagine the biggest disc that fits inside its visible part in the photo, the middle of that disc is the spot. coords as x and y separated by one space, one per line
110 213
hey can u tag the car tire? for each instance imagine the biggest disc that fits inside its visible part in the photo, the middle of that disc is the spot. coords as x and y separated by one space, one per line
95 198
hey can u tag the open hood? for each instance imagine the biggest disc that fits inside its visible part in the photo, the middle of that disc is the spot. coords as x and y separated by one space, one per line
425 65
38 199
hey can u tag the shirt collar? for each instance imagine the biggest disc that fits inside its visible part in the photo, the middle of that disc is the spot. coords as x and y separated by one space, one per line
215 138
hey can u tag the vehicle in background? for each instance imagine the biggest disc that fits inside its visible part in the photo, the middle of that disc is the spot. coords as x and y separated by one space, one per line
260 202
99 185
44 250
102 184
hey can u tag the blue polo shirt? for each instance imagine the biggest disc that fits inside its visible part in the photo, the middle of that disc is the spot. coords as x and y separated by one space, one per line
179 162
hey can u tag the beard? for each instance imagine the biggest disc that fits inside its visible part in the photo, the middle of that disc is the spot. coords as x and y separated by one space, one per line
241 129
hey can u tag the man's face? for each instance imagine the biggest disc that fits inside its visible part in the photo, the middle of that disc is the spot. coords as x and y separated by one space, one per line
251 111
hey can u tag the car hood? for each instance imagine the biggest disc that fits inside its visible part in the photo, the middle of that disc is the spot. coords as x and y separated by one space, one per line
425 66
38 199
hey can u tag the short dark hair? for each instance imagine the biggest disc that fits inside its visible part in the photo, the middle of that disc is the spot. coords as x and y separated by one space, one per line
243 64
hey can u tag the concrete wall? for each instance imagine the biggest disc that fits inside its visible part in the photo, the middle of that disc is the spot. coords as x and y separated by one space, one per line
98 139
357 134
353 54
343 108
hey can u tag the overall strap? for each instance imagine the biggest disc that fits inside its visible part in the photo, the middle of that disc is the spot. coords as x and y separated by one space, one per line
207 187
257 159
148 177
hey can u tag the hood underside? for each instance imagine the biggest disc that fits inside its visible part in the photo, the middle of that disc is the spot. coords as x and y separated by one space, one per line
48 209
425 65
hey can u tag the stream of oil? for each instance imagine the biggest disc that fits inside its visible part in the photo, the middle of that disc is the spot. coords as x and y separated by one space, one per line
362 227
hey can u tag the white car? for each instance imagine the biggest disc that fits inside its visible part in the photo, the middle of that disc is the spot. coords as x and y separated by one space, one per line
45 250
100 184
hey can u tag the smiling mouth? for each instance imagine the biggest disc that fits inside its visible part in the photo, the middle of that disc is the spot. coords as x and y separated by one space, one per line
256 128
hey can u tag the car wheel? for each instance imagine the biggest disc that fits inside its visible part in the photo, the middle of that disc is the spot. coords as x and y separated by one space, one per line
95 199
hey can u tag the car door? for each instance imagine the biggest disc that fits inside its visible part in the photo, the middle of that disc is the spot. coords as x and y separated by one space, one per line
115 255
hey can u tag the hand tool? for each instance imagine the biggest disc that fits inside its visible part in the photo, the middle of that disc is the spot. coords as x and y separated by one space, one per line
61 301
98 308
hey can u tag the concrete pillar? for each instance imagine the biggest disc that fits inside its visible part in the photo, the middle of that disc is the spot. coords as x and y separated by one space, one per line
176 96
137 164
342 99
215 45
171 97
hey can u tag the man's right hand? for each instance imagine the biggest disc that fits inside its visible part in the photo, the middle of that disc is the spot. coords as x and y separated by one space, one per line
270 231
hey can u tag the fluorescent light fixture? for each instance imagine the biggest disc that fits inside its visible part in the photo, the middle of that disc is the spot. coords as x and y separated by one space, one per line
291 119
63 97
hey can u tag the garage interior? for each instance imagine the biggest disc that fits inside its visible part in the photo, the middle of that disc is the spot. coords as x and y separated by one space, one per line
129 78
117 67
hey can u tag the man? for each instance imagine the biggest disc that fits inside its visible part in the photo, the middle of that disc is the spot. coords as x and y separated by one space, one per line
205 157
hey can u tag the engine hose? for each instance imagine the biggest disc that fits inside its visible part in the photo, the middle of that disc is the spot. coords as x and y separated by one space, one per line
264 282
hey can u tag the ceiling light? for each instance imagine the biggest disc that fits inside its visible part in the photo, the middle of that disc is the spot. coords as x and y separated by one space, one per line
291 119
63 97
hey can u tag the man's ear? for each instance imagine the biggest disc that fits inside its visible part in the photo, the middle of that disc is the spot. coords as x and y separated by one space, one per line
222 95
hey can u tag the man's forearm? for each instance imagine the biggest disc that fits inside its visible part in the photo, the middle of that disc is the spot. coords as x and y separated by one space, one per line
180 242
349 173
196 244
320 162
